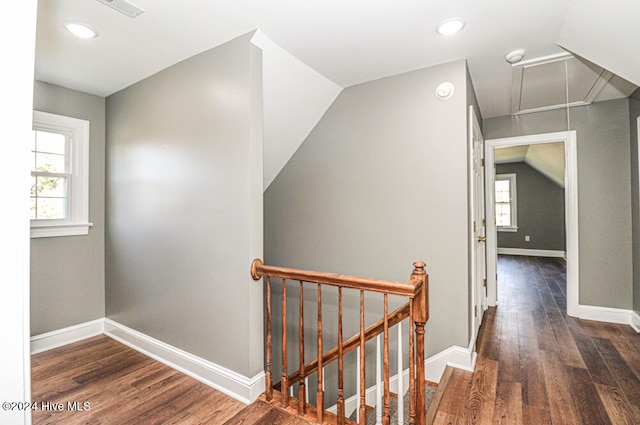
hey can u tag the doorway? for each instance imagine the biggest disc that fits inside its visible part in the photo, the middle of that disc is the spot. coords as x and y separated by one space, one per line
568 139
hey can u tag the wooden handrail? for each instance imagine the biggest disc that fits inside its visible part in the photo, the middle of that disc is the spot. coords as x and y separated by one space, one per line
417 310
351 344
405 289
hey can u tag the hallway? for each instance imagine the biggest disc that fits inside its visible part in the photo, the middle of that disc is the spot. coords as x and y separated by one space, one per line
538 366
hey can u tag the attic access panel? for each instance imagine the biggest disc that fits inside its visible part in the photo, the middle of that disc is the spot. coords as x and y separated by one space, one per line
560 81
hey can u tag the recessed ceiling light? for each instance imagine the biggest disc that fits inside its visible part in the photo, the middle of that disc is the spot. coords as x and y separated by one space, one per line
81 30
515 56
450 26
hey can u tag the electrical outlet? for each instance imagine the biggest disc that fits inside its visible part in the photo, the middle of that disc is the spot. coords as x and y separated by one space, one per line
527 238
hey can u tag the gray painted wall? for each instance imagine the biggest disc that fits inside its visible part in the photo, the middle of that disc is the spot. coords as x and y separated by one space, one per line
184 206
380 182
634 113
540 210
67 273
604 192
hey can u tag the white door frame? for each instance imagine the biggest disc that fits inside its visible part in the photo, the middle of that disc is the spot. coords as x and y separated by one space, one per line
571 211
476 316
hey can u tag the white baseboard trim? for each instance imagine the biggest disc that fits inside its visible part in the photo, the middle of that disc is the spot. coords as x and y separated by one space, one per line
461 358
64 336
635 321
609 315
532 252
455 356
227 381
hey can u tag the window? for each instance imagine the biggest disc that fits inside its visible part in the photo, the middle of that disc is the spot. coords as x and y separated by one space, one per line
505 195
59 176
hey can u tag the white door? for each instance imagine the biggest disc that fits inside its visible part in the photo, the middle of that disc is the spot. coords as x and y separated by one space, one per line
478 242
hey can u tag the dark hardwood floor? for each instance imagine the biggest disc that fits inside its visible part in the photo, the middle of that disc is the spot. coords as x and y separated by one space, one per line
535 366
121 386
538 366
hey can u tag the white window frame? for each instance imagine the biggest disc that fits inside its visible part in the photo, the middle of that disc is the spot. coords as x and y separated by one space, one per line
511 177
76 221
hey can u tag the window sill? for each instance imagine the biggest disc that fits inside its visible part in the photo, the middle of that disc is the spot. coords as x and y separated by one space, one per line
507 229
56 230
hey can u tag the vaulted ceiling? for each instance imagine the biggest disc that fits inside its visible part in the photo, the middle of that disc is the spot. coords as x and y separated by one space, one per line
349 42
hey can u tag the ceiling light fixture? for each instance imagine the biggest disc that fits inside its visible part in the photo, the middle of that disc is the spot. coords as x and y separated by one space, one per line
450 26
515 56
80 30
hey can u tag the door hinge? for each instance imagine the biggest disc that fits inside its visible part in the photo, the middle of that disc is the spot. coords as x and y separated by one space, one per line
484 282
484 222
482 162
474 226
475 310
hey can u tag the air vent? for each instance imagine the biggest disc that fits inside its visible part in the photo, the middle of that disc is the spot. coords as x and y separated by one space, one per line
123 6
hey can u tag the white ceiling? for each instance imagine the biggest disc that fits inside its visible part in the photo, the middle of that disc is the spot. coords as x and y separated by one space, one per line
349 42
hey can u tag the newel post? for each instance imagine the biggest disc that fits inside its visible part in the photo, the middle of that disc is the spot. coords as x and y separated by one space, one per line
420 315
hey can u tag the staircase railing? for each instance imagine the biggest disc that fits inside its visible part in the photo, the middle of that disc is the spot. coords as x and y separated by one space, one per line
416 310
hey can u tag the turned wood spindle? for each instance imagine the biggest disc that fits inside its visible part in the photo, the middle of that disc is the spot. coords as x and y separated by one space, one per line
320 393
340 403
284 386
302 401
362 415
268 376
412 369
386 416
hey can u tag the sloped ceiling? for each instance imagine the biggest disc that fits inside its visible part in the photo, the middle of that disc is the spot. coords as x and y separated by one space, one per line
547 158
347 42
297 97
334 44
606 33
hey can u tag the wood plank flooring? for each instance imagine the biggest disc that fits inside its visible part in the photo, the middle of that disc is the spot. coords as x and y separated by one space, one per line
538 366
121 386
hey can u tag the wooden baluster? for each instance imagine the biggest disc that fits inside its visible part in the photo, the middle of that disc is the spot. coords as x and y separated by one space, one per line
340 403
284 386
320 393
302 401
420 317
386 417
412 369
362 413
400 380
268 380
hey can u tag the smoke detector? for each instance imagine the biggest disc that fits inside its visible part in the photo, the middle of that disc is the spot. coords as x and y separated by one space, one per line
124 6
445 90
515 56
